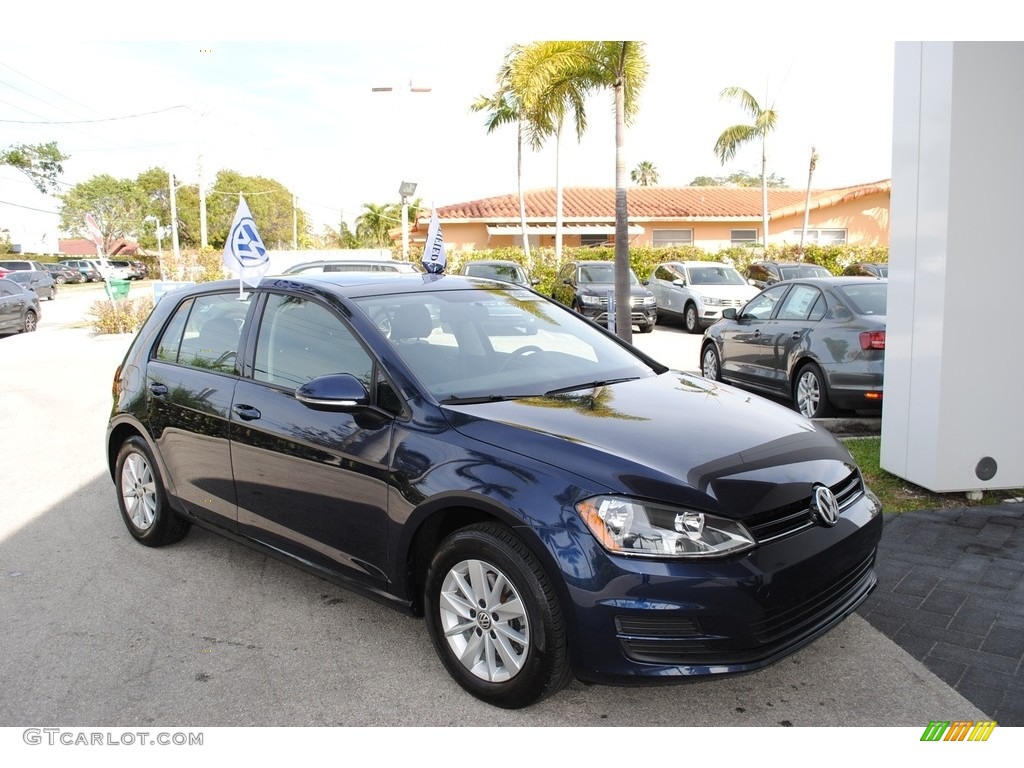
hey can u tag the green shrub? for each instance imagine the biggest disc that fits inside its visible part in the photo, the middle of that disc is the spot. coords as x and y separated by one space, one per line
121 316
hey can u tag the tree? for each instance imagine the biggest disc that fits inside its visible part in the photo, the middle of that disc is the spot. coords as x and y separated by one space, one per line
733 137
271 204
645 174
40 162
374 224
551 82
503 108
155 184
737 179
118 205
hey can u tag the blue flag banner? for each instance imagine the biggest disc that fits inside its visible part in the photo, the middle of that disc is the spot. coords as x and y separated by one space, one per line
434 257
245 254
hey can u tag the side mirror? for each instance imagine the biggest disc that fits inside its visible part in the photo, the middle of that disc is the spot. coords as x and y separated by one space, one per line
729 313
335 391
680 282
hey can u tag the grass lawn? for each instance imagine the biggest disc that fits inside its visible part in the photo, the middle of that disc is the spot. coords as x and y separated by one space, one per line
898 495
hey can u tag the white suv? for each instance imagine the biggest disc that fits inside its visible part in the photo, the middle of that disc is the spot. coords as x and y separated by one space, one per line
697 291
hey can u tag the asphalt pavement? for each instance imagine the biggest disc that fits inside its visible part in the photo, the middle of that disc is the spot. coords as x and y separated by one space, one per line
99 630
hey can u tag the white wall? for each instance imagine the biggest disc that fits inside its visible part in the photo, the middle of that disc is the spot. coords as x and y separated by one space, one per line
954 358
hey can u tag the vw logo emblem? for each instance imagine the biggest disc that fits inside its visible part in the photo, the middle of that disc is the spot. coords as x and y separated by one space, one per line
484 620
824 505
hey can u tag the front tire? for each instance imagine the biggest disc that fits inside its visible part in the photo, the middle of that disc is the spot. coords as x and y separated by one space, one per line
710 365
494 618
810 395
142 499
690 319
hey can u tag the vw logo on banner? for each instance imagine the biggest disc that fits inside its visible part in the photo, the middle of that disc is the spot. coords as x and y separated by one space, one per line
244 252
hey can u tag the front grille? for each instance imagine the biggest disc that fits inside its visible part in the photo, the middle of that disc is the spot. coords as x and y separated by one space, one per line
634 301
784 521
785 621
680 642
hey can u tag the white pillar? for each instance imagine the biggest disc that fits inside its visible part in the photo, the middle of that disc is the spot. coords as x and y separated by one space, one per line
954 359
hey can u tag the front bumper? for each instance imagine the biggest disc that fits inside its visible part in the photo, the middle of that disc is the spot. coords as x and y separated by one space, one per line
658 619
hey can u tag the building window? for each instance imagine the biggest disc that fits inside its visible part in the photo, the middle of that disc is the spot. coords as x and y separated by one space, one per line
823 236
590 241
743 236
665 238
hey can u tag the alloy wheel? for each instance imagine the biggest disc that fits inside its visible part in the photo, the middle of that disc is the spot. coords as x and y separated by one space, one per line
138 489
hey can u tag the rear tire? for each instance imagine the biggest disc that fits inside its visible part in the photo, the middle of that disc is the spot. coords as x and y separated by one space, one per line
810 395
142 499
31 321
494 618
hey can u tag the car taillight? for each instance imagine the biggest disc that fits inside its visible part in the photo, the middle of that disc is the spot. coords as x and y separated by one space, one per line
872 340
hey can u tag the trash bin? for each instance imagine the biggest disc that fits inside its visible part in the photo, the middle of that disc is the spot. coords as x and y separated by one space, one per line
119 288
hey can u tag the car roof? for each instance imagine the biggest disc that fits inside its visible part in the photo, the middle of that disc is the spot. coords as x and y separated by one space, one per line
834 281
359 284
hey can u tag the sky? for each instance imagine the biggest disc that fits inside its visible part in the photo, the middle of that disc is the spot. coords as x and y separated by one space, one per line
289 97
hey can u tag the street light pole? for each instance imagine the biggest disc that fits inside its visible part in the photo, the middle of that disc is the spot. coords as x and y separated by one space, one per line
408 188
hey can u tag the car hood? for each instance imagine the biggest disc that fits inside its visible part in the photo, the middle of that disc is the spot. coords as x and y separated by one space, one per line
673 437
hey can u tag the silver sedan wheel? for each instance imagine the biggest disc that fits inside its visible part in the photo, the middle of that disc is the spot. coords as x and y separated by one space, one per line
808 393
710 364
138 489
484 621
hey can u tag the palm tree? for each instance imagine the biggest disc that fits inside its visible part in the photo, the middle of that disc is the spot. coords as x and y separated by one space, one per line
553 80
645 174
373 225
503 108
735 136
544 77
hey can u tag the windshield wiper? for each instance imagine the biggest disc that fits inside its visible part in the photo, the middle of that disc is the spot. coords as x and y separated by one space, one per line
456 400
589 384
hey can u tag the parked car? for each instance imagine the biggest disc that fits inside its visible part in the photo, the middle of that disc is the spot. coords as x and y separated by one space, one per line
495 269
19 308
40 283
89 272
867 269
696 292
761 274
62 274
21 265
535 502
352 265
585 285
818 341
124 270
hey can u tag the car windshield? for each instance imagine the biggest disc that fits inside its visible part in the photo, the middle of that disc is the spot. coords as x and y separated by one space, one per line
480 344
507 272
866 298
789 273
602 273
715 275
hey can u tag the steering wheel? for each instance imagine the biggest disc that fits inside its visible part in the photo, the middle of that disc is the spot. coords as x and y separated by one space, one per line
528 349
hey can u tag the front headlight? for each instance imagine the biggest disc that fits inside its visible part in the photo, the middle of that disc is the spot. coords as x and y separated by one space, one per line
590 301
630 527
711 301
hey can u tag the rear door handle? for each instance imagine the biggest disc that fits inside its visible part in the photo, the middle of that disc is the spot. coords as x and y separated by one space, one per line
796 335
158 390
247 412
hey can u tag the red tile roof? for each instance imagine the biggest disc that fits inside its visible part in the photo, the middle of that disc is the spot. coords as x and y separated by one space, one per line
598 203
79 246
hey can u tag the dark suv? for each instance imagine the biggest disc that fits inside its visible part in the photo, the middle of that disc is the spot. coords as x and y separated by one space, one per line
585 286
867 269
765 273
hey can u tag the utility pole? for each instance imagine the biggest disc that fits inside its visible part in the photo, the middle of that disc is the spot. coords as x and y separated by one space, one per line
174 225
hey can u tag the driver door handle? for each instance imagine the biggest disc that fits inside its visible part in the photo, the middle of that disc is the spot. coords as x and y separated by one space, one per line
247 412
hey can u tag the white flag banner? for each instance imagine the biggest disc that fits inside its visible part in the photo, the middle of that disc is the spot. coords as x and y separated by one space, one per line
434 258
244 252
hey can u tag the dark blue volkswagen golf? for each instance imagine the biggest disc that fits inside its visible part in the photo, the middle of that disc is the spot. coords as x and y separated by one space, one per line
551 500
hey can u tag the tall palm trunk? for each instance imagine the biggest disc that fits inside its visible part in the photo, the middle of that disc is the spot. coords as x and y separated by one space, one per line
807 200
522 197
558 193
764 192
623 308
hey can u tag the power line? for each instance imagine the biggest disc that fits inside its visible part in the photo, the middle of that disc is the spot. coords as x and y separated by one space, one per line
98 120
